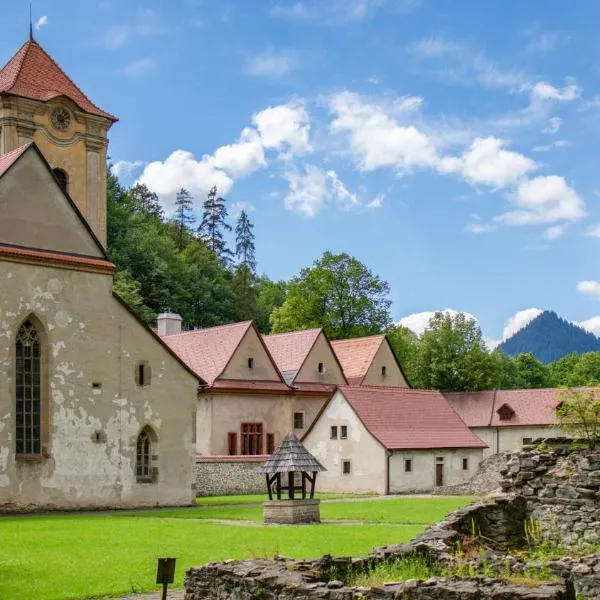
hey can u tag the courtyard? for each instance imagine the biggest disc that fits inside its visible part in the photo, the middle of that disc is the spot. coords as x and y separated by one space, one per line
85 556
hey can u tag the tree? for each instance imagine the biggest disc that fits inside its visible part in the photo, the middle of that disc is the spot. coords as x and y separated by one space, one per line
269 296
579 415
145 201
508 376
213 224
453 356
183 215
531 372
244 242
243 277
339 294
586 371
405 344
129 290
560 370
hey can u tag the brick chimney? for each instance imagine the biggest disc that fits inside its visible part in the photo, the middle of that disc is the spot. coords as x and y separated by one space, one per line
168 323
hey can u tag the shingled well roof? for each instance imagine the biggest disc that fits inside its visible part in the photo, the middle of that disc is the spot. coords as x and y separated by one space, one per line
291 456
407 419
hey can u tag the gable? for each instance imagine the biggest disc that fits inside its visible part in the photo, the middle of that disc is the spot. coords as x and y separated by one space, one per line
393 377
37 214
320 352
251 347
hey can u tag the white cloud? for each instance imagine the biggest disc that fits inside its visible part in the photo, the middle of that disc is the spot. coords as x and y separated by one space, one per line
590 288
594 231
480 227
519 320
125 168
147 24
376 139
282 127
592 104
555 232
592 325
139 68
544 199
377 202
270 64
419 322
545 42
546 91
486 162
238 207
557 144
554 124
41 22
243 157
312 188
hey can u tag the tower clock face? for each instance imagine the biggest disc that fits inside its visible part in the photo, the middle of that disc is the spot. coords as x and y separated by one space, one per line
61 119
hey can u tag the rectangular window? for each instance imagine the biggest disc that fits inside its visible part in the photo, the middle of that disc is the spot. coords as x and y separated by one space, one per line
232 443
270 443
383 371
344 432
408 465
346 467
141 373
334 432
252 438
298 420
465 464
250 363
527 441
321 367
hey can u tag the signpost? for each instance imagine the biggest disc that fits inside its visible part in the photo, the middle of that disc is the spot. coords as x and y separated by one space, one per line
165 573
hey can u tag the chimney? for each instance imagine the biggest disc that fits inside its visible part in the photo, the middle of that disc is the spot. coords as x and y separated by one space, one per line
168 323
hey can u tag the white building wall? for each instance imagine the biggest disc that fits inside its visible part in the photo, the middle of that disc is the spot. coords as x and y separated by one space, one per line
366 455
510 439
422 477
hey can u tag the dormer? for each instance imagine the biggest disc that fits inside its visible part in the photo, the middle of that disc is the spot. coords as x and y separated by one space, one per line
505 412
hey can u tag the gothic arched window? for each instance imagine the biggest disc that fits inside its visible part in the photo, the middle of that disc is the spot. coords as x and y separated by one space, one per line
28 390
144 472
62 178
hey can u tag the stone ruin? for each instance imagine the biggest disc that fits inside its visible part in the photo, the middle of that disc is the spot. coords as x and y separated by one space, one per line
551 495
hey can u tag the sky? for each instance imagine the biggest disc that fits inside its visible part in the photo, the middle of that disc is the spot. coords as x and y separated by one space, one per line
451 146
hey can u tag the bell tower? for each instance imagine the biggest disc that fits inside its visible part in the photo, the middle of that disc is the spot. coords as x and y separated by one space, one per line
40 103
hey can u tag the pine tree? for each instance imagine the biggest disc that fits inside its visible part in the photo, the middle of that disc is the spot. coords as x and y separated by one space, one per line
183 217
213 224
244 275
244 242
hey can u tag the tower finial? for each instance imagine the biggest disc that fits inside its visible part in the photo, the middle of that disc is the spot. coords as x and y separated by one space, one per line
30 23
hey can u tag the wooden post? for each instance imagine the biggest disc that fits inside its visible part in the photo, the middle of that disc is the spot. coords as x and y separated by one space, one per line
269 486
278 486
291 485
312 486
303 485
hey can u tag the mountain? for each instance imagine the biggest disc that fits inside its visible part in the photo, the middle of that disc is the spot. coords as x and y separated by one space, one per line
548 338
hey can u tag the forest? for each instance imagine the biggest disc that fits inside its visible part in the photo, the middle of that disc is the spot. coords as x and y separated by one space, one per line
173 264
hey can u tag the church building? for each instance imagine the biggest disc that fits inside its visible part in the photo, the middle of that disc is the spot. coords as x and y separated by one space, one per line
95 410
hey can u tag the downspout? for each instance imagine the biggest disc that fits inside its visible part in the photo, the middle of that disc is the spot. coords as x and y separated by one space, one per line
388 454
497 429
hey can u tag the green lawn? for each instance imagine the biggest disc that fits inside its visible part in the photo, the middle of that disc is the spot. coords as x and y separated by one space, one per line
258 498
73 557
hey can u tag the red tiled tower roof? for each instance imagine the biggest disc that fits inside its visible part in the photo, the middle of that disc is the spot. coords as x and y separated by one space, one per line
32 73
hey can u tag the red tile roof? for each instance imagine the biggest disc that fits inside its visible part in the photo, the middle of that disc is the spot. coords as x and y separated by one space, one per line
32 73
289 350
208 351
9 159
250 385
356 355
407 419
531 407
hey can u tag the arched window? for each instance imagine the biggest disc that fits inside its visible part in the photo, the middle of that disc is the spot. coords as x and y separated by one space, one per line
28 390
144 471
62 178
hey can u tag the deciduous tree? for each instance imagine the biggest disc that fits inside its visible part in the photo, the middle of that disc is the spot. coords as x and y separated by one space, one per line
579 415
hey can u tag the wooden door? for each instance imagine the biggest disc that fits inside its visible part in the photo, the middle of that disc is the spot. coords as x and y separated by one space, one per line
439 474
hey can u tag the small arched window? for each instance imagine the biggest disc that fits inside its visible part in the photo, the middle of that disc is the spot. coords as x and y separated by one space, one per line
144 470
28 390
62 178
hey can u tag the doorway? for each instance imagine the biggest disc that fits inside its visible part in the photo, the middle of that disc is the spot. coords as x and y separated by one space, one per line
439 471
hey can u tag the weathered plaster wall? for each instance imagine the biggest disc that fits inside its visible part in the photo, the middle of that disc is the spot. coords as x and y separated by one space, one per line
222 477
262 369
367 455
321 352
91 338
393 375
224 412
310 406
510 439
421 478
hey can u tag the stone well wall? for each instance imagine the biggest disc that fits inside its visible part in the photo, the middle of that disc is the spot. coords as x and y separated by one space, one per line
229 475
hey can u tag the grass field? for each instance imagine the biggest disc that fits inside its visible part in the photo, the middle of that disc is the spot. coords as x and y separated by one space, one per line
88 556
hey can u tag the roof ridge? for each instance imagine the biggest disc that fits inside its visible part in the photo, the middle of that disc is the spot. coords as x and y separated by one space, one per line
201 329
359 339
272 335
390 388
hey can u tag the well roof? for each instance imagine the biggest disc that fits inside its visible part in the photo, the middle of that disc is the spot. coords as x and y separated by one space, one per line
291 456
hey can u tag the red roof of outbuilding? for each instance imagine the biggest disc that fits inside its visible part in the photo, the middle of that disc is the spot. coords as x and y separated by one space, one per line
531 407
208 351
289 350
356 355
32 73
407 419
10 158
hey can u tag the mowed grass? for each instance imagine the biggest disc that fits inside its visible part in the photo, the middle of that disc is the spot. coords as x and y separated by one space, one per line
62 557
258 498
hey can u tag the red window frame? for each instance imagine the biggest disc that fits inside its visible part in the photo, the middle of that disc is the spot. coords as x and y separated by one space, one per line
252 438
232 443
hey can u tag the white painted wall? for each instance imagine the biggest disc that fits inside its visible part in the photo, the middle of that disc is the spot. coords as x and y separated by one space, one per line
510 439
422 476
367 455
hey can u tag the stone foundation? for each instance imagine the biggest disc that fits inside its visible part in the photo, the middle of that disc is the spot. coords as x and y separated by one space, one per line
229 475
292 512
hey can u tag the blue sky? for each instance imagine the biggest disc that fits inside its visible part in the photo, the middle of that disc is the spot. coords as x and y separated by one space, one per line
451 146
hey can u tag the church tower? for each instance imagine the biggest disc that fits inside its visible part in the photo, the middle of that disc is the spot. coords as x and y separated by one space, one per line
38 102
